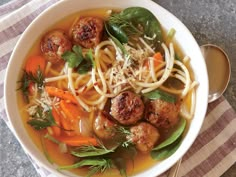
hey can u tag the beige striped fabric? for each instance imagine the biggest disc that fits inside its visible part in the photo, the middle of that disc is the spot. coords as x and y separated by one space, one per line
214 150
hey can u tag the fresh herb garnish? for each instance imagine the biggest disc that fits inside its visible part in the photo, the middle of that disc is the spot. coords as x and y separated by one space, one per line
41 119
30 78
75 59
159 94
138 21
123 133
95 165
90 151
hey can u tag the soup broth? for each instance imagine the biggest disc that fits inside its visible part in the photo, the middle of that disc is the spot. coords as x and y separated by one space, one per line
90 102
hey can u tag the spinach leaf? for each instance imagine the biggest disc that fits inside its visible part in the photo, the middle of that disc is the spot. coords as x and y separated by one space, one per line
116 41
173 137
166 152
159 94
117 32
138 20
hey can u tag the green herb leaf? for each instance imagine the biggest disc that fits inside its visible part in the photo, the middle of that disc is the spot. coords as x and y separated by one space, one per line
174 136
90 151
29 78
95 165
116 41
117 31
39 124
75 59
41 120
159 94
138 20
167 151
89 57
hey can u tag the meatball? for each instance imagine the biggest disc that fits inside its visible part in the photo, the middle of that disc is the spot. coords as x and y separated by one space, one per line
127 108
144 136
103 127
162 114
87 31
54 44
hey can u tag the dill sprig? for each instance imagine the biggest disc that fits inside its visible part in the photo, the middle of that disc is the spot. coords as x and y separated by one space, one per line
41 118
127 26
95 165
90 150
27 79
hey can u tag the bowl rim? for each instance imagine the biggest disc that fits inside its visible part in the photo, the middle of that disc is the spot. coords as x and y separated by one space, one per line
7 102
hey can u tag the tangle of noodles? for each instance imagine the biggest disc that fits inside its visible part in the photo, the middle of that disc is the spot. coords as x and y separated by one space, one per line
112 75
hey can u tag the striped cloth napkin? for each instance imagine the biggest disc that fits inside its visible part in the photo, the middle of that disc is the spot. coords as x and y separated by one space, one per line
213 152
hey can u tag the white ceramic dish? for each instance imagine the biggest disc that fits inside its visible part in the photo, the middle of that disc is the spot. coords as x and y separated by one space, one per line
64 8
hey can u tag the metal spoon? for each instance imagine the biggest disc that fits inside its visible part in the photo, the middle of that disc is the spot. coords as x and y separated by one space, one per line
219 71
218 68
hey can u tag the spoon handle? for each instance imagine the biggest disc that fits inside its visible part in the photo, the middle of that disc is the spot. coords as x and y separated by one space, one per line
175 169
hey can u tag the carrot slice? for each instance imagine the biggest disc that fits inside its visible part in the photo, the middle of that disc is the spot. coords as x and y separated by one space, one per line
78 140
71 110
157 60
56 130
33 63
65 95
72 114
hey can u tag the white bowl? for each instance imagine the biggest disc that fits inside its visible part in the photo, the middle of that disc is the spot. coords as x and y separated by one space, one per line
63 8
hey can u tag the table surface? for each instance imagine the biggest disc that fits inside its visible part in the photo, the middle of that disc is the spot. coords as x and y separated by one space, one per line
210 21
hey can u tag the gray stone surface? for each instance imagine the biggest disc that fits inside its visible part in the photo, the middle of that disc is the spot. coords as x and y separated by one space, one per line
210 21
3 1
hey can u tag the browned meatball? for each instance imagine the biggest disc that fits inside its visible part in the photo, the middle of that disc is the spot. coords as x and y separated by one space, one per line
144 136
103 127
54 44
162 114
87 31
127 108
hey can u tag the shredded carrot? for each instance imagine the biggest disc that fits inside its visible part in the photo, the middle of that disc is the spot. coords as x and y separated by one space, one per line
33 63
55 129
65 95
78 140
157 60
